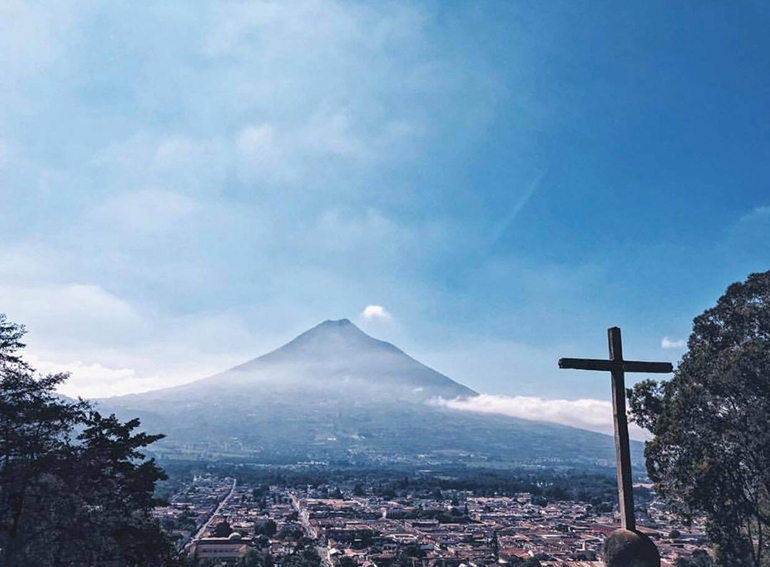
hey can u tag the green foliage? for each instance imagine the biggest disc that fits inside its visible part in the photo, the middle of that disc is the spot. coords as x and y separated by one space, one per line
304 556
290 533
699 558
222 529
254 558
267 528
599 488
409 555
710 454
70 502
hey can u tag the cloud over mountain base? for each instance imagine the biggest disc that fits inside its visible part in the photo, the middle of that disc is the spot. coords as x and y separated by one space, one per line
591 414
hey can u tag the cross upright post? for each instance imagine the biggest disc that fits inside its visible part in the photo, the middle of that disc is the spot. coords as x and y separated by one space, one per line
622 445
618 367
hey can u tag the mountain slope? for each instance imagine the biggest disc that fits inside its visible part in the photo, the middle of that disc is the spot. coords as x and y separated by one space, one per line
331 358
334 392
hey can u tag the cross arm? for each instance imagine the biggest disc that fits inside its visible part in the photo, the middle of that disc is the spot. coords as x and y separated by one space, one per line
648 367
607 365
585 364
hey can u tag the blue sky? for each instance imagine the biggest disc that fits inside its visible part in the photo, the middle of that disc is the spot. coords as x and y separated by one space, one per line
189 184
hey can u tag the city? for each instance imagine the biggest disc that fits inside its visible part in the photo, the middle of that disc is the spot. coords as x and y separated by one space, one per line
221 521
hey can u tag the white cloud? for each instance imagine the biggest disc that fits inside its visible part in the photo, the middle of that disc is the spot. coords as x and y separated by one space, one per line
30 34
256 140
26 262
758 212
5 153
746 242
76 312
95 380
591 414
146 210
667 342
113 345
375 312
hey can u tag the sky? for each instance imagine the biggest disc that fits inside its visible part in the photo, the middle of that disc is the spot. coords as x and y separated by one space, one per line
490 186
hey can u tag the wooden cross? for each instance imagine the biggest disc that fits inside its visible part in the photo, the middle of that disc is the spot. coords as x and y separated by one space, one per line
618 367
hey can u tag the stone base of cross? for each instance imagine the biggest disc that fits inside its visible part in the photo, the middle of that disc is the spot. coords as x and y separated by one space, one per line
626 547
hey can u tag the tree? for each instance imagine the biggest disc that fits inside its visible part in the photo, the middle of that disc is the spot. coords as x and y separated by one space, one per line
267 528
110 475
710 454
304 555
254 558
699 558
64 502
222 529
35 426
409 555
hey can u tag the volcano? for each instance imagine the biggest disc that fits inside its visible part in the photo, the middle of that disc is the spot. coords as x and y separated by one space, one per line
335 393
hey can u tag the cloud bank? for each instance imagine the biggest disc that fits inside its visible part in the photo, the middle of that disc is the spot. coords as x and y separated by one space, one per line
594 415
